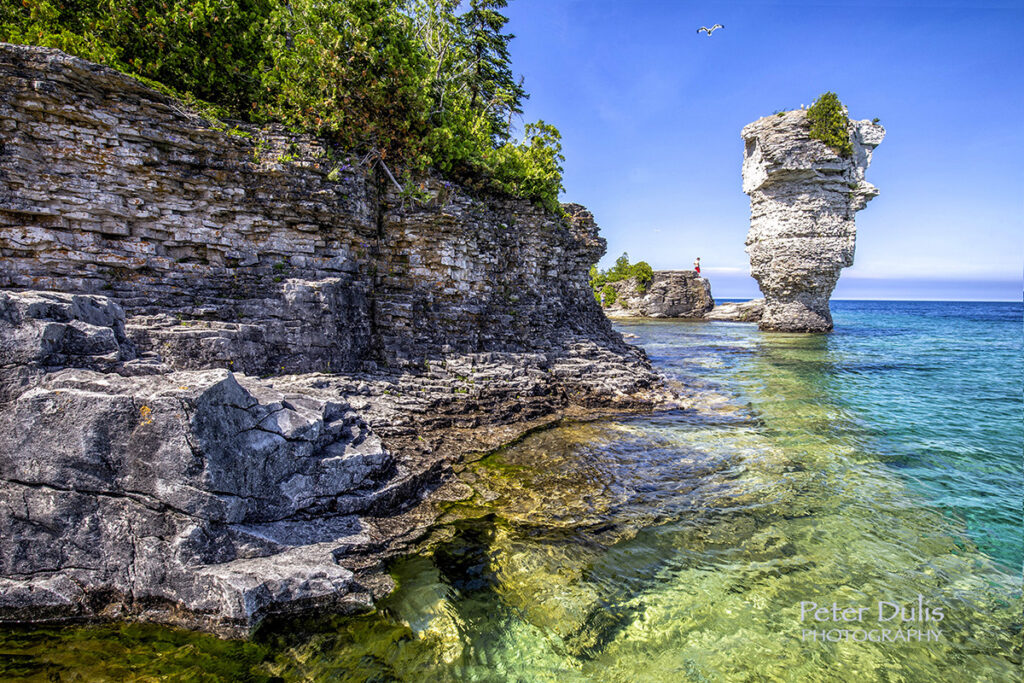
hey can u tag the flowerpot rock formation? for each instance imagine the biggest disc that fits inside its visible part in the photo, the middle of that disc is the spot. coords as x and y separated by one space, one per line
803 198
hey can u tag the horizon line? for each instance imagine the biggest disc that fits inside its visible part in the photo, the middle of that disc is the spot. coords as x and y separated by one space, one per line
942 301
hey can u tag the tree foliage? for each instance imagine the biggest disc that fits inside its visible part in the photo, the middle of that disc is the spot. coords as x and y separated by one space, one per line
830 123
414 81
600 281
347 70
209 50
492 86
608 295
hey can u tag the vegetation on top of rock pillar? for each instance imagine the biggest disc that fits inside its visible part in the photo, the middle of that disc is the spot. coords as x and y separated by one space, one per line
643 273
830 123
412 82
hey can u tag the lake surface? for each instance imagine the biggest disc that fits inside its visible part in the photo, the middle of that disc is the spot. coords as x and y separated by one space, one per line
879 467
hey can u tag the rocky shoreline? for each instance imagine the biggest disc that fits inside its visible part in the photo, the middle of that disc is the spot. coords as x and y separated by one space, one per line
211 499
238 368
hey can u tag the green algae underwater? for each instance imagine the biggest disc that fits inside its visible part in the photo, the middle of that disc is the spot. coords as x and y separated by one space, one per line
880 464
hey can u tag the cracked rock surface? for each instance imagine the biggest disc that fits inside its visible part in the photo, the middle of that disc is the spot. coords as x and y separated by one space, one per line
803 197
738 311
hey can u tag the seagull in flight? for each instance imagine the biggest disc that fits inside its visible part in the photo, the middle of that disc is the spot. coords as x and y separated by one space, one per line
711 30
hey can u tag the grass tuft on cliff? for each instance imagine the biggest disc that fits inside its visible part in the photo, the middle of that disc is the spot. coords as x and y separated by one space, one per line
830 123
422 83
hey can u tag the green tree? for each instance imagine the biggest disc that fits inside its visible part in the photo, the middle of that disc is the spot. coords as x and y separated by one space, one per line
532 168
351 71
493 89
205 49
830 124
412 80
609 294
622 270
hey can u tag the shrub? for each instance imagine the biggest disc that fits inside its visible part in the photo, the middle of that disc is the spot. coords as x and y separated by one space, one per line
622 270
349 71
643 273
532 168
210 50
830 124
609 293
412 81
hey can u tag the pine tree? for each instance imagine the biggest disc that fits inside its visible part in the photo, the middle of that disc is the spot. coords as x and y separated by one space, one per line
493 89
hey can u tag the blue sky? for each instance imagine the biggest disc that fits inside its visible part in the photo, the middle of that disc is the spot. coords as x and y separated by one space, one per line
651 112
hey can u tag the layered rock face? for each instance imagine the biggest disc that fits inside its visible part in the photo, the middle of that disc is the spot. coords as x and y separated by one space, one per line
803 197
669 294
237 369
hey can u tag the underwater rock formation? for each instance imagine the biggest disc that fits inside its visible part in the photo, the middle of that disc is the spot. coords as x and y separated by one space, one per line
803 197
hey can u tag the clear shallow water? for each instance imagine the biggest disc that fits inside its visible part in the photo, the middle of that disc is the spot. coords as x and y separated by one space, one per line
878 463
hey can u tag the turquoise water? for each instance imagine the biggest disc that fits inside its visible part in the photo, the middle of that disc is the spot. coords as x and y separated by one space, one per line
878 464
938 388
931 389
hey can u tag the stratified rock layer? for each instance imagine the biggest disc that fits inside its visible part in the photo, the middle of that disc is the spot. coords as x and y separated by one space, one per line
669 294
803 197
237 370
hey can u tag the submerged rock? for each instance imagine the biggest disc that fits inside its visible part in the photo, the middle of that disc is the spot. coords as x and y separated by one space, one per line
669 294
803 197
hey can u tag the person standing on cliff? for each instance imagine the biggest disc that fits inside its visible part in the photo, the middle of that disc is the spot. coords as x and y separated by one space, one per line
696 265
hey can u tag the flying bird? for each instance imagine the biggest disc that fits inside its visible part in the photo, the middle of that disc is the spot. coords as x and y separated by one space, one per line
711 30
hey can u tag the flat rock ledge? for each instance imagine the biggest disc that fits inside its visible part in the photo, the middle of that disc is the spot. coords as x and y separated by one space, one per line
211 499
737 311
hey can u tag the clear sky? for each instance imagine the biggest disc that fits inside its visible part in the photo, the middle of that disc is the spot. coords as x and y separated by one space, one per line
651 112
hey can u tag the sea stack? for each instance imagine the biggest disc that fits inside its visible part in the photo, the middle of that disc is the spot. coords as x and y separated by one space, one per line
803 198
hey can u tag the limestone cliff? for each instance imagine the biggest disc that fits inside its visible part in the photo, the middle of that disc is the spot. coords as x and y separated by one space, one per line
669 294
803 197
237 367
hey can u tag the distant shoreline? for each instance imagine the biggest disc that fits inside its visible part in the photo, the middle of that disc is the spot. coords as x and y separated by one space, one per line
726 299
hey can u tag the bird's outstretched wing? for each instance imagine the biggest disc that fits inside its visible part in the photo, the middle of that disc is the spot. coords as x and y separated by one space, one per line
717 26
702 28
